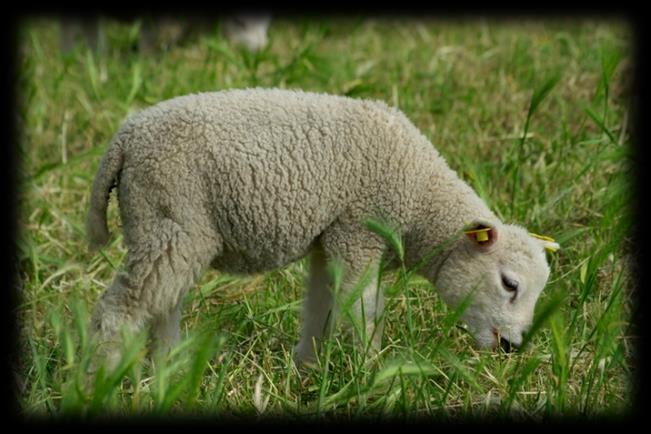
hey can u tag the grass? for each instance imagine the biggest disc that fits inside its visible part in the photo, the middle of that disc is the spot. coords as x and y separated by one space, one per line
534 115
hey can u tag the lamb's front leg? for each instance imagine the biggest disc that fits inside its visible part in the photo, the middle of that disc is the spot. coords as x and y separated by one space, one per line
367 312
317 309
359 299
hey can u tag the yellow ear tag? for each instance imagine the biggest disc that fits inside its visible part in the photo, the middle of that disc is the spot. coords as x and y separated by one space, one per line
548 242
481 235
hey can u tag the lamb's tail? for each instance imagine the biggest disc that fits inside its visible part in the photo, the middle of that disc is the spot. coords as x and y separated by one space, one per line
105 180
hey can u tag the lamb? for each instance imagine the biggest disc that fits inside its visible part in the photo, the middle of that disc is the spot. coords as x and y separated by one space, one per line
250 180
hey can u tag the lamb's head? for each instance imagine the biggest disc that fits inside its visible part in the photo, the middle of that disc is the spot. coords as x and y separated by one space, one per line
500 270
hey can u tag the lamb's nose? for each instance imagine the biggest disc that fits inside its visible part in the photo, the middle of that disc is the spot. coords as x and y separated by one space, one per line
507 346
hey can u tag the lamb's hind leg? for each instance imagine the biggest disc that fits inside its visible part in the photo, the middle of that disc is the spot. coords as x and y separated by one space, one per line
117 309
166 329
160 267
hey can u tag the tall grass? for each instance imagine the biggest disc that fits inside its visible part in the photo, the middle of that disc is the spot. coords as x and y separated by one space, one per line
533 115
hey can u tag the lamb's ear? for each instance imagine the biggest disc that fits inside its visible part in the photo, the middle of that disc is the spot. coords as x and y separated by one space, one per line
547 242
481 233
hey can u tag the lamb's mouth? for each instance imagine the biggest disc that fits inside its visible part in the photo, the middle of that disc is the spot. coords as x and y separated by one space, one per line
506 345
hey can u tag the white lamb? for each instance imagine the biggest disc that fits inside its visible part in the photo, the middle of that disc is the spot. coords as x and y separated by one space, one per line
251 180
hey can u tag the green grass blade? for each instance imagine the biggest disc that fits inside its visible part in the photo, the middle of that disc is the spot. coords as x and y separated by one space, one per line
390 235
546 311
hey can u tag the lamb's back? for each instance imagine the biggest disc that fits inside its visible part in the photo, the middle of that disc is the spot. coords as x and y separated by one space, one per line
273 168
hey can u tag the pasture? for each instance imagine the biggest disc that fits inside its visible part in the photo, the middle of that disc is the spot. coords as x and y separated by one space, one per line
534 115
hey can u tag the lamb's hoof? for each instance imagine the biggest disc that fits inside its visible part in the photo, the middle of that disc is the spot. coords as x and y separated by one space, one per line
306 364
304 359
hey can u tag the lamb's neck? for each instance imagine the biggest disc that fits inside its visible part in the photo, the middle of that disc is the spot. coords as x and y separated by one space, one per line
446 206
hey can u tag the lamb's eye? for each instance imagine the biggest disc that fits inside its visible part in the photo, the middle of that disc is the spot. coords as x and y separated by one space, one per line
509 284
